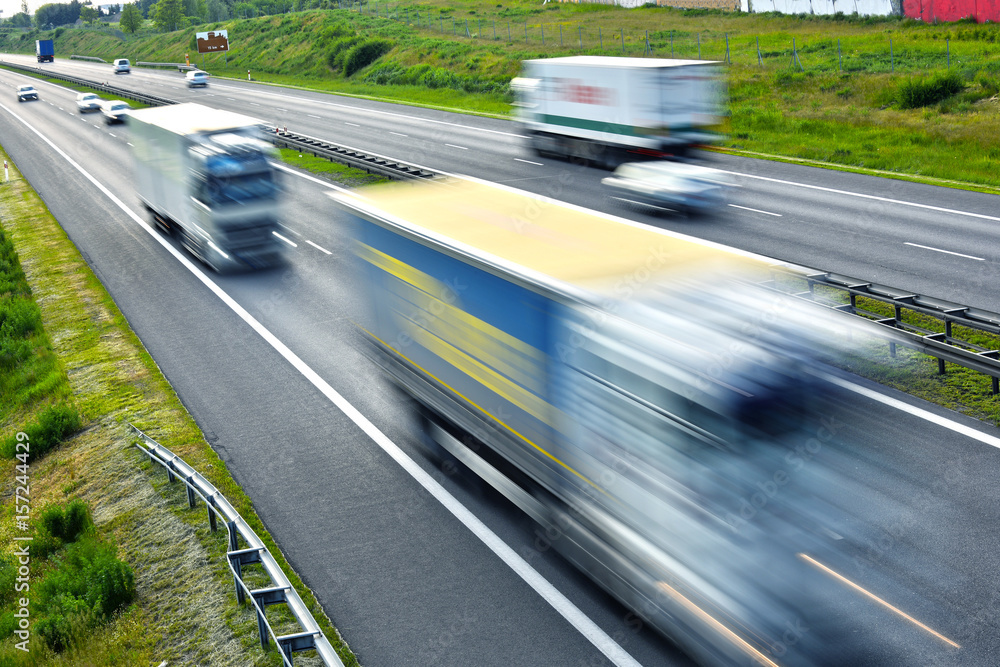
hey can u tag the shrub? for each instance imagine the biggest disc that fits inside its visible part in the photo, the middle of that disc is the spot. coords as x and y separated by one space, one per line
364 54
916 93
339 50
87 587
51 427
67 523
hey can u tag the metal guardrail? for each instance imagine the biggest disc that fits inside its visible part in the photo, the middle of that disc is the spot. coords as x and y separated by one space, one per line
352 157
311 638
94 59
944 346
117 92
180 67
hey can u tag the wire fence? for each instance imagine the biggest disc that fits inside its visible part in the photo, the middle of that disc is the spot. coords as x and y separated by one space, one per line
881 54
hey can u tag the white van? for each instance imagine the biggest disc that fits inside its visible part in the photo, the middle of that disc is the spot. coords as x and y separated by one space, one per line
122 66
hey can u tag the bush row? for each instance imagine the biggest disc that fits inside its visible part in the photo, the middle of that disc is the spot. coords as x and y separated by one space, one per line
433 77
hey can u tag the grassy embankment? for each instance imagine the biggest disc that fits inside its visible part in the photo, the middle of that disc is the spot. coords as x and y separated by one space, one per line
72 385
858 118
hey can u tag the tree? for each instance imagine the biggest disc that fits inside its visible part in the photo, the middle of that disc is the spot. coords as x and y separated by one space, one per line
169 15
20 20
131 19
218 10
88 14
24 6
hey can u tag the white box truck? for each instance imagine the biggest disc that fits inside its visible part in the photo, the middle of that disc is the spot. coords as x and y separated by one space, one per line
207 176
610 110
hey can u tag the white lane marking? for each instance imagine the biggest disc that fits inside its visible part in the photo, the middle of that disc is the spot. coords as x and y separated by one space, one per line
280 109
129 143
926 415
345 123
289 229
927 247
61 109
254 104
317 181
288 241
113 135
600 639
454 146
517 159
864 196
398 134
312 116
756 210
230 99
390 113
321 249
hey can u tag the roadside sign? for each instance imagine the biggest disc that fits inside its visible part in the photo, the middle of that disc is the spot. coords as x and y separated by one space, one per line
212 42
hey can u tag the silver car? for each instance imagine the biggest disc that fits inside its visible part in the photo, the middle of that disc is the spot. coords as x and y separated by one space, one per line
88 102
122 66
686 188
196 78
26 92
115 111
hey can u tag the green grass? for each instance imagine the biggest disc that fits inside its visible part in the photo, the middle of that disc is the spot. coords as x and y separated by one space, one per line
185 611
341 173
845 110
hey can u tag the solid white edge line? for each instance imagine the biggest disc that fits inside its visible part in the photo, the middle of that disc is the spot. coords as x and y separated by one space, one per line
926 415
454 146
864 196
756 210
320 248
948 252
345 123
517 159
398 134
600 639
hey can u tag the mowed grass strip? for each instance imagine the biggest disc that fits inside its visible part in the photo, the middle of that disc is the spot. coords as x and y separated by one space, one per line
185 610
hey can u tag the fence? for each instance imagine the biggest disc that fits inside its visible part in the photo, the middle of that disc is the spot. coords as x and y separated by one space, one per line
311 638
901 52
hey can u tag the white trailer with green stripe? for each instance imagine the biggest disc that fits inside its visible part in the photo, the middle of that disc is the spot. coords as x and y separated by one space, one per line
612 110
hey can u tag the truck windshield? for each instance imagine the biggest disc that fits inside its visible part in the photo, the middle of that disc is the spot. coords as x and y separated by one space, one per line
239 189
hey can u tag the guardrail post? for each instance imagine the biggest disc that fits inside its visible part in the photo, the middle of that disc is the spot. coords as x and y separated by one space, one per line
170 474
192 499
234 546
265 641
212 522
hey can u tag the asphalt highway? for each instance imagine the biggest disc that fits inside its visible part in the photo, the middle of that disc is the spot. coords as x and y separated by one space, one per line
418 567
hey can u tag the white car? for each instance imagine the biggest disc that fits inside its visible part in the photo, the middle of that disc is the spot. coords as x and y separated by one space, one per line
115 111
122 66
686 188
26 92
88 102
196 78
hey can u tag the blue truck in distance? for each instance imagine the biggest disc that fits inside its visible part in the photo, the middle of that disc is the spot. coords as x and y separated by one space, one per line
44 50
627 388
